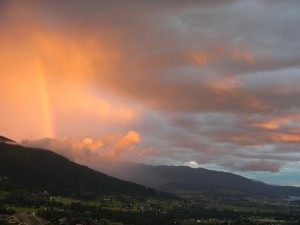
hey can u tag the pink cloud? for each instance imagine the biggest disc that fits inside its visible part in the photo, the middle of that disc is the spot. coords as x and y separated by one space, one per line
93 152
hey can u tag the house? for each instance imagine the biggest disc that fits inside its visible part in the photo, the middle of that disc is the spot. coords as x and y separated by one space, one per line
26 219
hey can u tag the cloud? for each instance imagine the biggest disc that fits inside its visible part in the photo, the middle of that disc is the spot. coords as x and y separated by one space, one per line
202 81
188 80
256 165
93 152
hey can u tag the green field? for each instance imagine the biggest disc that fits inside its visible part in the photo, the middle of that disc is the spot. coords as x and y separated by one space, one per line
4 194
131 209
23 209
65 200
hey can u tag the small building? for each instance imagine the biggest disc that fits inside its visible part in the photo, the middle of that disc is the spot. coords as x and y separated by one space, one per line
26 219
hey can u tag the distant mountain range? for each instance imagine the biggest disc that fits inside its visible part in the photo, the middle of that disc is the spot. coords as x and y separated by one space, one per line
179 179
42 170
38 169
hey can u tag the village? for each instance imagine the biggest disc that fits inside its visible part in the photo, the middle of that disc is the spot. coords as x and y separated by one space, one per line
41 208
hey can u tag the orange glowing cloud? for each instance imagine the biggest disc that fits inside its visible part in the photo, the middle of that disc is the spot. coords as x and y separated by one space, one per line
48 76
287 138
220 55
91 69
228 85
201 59
244 56
149 151
271 125
91 151
295 131
207 57
228 92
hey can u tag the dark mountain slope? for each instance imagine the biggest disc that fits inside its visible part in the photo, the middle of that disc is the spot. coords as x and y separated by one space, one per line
4 139
182 178
38 169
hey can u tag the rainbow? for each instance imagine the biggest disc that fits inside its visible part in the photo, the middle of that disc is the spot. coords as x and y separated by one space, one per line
49 128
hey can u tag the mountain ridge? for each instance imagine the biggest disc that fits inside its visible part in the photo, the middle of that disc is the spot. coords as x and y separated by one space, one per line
183 178
41 170
5 139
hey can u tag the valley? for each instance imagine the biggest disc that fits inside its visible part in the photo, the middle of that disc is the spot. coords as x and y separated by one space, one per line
40 182
130 209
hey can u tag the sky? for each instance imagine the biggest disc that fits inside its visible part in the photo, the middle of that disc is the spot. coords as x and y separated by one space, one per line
201 83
